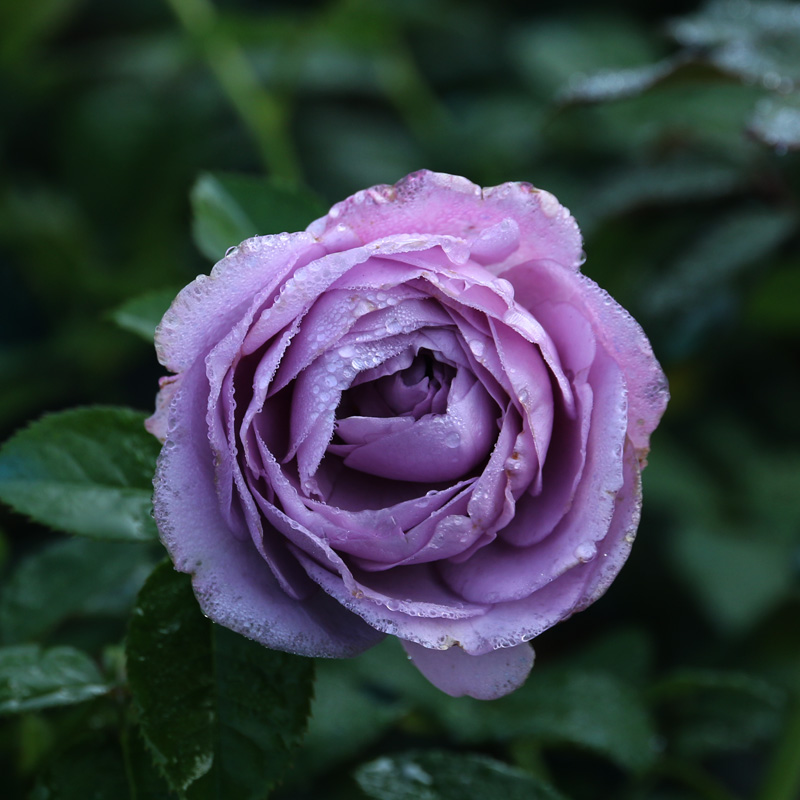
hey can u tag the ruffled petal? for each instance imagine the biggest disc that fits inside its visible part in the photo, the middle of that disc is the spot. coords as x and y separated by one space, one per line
233 584
430 203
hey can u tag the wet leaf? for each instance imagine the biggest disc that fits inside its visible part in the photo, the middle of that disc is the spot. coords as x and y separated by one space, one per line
350 711
776 122
666 183
758 41
436 775
32 678
219 713
556 53
614 84
87 471
712 712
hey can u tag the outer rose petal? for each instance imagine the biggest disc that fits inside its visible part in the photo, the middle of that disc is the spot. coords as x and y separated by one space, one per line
484 677
430 202
234 586
614 328
204 312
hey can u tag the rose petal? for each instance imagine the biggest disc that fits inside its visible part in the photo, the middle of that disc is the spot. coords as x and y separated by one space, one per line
485 677
615 330
204 312
233 584
430 202
503 573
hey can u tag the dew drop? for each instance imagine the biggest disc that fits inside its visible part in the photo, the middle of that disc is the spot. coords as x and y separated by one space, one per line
478 347
548 203
452 439
585 552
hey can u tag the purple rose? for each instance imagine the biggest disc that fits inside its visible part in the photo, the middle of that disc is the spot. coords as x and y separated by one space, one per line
416 417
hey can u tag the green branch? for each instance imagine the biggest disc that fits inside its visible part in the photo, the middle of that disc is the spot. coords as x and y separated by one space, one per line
265 115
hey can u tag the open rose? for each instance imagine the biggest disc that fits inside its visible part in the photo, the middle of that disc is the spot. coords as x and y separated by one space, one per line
418 418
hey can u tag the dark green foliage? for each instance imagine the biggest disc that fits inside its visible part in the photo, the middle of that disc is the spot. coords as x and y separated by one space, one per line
448 776
220 714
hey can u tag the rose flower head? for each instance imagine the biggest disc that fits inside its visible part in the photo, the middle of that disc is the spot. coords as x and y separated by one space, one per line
417 418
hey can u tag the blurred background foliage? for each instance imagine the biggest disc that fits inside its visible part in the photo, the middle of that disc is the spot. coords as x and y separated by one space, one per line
140 139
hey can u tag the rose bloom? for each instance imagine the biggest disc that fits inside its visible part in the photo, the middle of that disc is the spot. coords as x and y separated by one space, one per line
416 418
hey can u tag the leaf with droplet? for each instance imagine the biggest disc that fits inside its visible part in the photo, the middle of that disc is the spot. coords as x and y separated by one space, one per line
220 714
87 471
614 84
589 708
32 678
141 314
552 53
228 209
434 775
758 41
776 122
349 711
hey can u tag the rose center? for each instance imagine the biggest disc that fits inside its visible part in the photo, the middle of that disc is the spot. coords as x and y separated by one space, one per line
428 421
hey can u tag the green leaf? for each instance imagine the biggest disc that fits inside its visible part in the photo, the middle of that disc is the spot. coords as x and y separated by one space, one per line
140 315
590 709
711 712
757 41
551 53
613 84
146 781
584 707
32 678
348 713
231 208
87 471
72 578
738 578
725 248
221 714
436 775
662 184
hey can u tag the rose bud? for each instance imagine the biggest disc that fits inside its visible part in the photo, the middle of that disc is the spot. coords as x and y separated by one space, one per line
417 418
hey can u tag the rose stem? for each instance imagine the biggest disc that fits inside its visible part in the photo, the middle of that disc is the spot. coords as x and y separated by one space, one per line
264 114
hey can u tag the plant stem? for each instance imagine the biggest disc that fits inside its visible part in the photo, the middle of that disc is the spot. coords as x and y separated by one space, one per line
264 114
782 781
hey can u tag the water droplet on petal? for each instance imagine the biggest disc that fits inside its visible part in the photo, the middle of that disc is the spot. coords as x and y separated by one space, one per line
477 347
452 439
585 552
